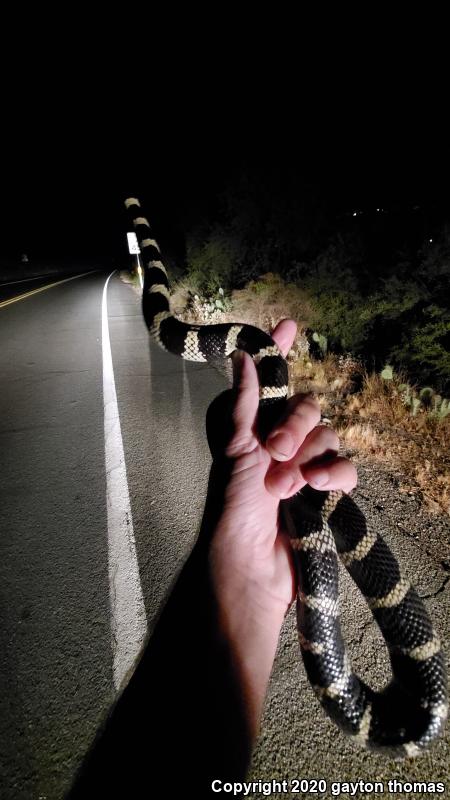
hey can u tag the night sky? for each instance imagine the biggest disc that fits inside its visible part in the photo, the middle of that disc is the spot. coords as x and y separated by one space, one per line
73 150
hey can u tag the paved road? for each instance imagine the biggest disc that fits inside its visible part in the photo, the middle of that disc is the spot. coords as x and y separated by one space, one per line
56 667
297 740
55 641
11 290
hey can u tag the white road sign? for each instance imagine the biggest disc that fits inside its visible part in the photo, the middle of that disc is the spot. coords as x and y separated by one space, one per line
133 246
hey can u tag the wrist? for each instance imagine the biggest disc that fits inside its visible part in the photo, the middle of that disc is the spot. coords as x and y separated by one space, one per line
248 632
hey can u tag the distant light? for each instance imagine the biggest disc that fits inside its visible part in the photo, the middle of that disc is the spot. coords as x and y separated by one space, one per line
430 240
354 213
378 209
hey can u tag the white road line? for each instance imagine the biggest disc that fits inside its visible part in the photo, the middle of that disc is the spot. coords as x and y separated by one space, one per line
40 278
26 280
128 619
18 297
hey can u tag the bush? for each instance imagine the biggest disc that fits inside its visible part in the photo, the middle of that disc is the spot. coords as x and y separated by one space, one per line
424 348
395 311
212 262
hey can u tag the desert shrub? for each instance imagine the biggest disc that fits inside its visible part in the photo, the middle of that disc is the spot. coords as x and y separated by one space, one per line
212 261
267 300
335 300
395 309
424 348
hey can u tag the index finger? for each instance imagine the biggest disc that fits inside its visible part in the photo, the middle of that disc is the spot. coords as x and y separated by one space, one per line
284 335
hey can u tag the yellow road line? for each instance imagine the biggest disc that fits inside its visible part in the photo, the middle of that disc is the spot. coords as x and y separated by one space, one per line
42 289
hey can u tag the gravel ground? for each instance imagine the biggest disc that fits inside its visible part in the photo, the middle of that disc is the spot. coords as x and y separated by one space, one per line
297 740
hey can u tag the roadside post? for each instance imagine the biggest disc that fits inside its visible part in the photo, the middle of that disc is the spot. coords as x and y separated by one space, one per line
133 248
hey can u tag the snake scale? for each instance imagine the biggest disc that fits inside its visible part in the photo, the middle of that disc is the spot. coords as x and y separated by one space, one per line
404 718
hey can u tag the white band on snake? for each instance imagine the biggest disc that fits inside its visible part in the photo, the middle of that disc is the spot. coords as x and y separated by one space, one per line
405 717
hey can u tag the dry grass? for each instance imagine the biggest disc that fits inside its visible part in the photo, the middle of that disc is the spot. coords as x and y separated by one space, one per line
367 412
262 303
376 422
268 300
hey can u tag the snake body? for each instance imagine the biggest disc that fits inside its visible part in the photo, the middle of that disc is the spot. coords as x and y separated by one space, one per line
405 717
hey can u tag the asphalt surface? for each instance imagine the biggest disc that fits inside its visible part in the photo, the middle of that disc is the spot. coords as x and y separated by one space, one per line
297 740
55 642
55 650
16 288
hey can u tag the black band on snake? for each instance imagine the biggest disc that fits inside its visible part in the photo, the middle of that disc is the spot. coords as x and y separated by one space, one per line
410 712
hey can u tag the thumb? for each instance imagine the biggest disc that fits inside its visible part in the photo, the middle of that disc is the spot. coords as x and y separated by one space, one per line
246 386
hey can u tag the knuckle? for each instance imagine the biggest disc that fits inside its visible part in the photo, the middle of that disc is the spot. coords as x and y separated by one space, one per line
343 474
312 402
312 409
240 445
307 409
328 437
354 478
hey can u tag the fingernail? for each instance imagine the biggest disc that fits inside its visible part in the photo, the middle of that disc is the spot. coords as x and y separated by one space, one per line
281 443
319 478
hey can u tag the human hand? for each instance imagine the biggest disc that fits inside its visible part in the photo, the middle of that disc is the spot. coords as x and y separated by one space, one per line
250 556
250 541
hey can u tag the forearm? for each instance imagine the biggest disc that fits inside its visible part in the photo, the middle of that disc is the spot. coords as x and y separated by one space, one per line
251 640
191 710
